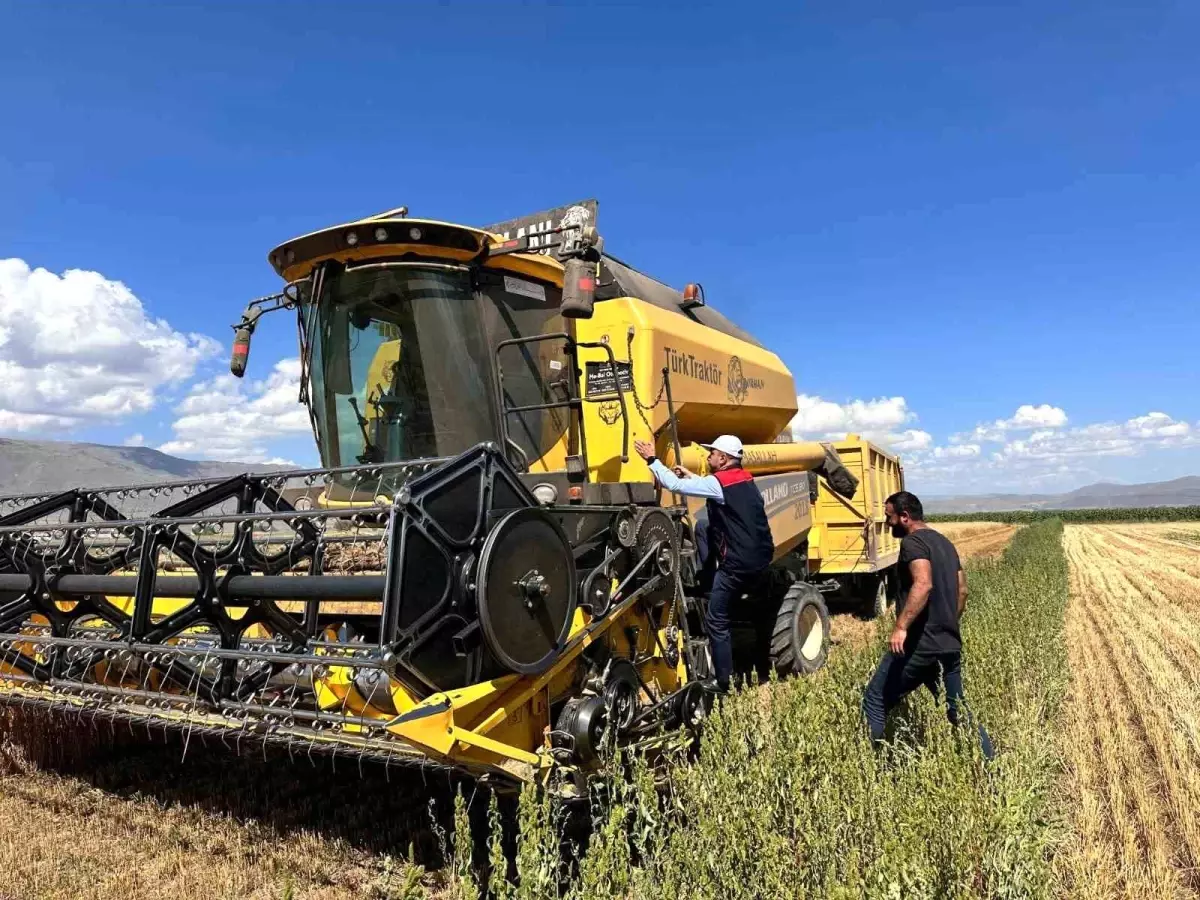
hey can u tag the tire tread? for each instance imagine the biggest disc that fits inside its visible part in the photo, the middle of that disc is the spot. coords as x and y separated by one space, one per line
785 655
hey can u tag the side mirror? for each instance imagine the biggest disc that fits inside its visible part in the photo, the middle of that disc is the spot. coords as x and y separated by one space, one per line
255 309
579 288
241 350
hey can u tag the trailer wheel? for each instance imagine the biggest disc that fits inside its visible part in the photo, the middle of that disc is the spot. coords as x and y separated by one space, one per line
800 636
877 601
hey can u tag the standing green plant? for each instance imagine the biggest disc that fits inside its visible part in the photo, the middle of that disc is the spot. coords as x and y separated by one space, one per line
788 798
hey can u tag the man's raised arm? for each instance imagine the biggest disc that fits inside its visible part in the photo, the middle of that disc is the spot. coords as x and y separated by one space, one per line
705 486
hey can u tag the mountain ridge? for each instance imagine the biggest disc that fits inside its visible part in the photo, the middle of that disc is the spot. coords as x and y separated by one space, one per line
1183 491
28 467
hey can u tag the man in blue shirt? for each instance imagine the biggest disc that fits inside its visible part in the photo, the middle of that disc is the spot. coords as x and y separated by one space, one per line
736 538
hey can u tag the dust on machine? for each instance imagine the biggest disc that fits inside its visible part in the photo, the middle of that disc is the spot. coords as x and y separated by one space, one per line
481 575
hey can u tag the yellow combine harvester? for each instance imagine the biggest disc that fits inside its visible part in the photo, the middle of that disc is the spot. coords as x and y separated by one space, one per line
480 575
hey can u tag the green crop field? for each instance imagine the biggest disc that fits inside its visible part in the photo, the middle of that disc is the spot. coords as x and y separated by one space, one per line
788 798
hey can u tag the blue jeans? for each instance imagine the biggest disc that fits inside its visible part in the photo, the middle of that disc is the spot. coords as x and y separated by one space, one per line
727 589
898 676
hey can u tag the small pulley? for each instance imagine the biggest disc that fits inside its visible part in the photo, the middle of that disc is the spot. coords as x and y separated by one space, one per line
622 690
581 728
527 590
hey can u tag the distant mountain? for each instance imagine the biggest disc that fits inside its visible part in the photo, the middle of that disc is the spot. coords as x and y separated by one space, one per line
1177 492
41 466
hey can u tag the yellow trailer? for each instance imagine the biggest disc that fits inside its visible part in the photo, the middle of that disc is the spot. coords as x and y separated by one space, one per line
850 548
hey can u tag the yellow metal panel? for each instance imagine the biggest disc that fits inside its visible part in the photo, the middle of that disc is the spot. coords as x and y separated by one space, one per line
758 459
851 535
719 384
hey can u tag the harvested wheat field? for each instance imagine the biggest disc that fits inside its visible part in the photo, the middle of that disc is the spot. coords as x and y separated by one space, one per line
973 539
1131 737
109 814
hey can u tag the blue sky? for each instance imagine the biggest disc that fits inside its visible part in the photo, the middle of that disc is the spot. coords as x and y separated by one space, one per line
970 232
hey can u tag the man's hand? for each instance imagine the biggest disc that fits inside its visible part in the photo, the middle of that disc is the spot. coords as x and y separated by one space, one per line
684 473
896 641
645 450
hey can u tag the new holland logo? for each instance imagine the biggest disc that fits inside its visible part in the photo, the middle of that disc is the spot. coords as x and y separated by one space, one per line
737 385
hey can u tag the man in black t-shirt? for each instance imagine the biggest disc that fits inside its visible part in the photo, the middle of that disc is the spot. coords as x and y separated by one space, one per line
926 642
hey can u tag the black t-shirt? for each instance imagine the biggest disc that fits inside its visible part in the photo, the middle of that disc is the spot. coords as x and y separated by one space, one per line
936 628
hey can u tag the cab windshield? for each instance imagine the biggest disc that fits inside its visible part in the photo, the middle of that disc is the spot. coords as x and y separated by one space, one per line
398 363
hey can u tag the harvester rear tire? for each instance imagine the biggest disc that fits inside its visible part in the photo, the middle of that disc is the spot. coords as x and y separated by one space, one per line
800 636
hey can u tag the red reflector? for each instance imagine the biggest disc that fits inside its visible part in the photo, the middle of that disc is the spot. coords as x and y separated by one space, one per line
575 493
587 284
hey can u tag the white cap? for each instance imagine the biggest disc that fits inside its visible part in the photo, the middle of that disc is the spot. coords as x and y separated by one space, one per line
727 444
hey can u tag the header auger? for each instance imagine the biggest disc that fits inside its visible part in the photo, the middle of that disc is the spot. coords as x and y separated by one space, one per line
479 576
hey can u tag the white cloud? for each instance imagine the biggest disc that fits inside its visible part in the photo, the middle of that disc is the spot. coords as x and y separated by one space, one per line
817 416
958 451
78 347
1026 418
33 422
1049 458
1044 416
1034 449
908 441
1157 425
1129 438
878 420
224 418
135 440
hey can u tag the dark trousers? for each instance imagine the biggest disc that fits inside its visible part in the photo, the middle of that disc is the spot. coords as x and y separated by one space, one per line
724 588
727 589
898 676
708 558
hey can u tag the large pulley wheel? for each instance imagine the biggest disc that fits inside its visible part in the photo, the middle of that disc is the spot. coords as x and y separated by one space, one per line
526 590
657 532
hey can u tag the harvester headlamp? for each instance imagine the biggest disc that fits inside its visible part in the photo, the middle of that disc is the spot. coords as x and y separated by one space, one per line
381 234
352 238
546 494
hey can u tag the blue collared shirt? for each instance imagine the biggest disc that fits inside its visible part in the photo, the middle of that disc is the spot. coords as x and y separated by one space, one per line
705 486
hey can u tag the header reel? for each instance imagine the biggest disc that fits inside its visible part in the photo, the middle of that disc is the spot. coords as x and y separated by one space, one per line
222 606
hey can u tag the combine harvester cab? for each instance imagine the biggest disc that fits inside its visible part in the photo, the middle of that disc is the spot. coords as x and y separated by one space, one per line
479 576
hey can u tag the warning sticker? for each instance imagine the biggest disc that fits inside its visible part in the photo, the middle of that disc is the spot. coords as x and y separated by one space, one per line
525 288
